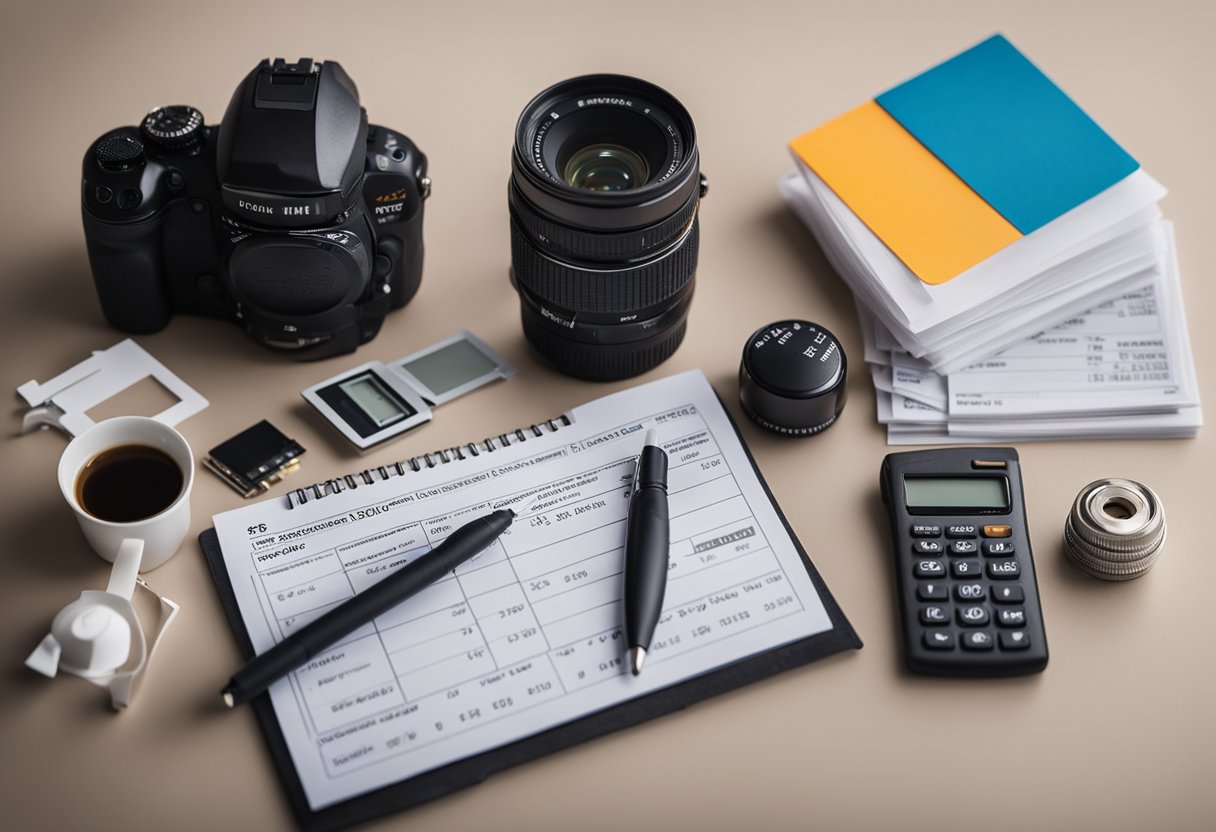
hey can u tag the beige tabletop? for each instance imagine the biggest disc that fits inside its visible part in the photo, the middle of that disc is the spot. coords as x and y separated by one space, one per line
1118 733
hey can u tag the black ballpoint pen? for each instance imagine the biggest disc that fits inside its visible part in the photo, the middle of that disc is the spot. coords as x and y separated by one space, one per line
647 545
297 648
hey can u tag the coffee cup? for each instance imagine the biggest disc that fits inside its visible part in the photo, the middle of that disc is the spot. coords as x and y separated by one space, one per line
128 481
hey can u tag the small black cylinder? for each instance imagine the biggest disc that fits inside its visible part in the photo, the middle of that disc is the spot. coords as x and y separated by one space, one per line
792 378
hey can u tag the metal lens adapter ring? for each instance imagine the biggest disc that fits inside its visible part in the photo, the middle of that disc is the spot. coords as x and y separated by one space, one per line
1115 530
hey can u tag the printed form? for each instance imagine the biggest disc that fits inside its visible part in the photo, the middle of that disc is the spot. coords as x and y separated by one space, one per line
1121 355
527 635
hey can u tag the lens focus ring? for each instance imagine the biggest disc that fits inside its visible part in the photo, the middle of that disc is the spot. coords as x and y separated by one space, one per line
612 246
620 291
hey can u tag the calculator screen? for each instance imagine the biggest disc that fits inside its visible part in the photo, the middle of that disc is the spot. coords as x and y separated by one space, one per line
956 492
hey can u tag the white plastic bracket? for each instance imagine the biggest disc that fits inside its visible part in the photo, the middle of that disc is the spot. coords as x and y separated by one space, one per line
64 401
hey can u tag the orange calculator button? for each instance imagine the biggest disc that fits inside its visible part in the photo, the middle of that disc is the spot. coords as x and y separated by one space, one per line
997 531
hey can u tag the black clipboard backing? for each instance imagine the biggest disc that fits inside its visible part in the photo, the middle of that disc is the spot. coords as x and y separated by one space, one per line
472 770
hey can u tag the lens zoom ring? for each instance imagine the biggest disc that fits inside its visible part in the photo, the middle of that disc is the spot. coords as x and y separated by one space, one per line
597 362
625 291
577 243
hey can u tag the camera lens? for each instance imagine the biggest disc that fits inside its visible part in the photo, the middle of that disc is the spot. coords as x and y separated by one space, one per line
605 188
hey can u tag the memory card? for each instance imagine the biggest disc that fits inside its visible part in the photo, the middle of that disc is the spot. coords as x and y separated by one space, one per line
254 459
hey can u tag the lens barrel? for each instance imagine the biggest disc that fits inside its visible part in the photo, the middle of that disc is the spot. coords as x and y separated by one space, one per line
604 195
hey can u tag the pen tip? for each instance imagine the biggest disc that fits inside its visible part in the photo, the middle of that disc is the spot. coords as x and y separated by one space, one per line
652 437
637 655
229 699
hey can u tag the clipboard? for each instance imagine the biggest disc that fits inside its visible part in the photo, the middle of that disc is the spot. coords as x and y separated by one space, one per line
469 771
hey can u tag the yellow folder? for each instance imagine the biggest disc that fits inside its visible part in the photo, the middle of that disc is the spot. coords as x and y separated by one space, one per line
924 213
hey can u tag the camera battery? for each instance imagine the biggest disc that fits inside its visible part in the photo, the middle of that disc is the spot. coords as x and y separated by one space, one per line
254 459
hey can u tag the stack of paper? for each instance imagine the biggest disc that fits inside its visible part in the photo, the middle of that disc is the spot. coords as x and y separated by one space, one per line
1012 271
1120 370
974 205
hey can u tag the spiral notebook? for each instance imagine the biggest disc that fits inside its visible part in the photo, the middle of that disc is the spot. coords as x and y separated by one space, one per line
459 453
517 653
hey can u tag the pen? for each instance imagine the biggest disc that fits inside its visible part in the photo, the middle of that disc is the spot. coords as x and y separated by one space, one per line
647 542
299 647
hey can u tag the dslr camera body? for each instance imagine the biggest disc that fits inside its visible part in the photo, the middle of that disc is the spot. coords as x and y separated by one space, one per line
293 216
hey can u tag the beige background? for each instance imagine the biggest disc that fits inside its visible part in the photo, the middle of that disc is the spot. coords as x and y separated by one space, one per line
1118 733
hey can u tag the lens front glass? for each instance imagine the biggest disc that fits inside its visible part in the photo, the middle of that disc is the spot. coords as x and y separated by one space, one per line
606 167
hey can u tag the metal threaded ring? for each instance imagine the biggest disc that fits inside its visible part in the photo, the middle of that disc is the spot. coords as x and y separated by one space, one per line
1115 530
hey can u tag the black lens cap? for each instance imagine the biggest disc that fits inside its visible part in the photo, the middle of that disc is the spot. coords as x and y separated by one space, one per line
792 378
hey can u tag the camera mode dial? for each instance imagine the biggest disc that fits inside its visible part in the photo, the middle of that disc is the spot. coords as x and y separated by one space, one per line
175 126
119 152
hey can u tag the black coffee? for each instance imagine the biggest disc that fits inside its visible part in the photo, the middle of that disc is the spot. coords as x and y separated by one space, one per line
128 483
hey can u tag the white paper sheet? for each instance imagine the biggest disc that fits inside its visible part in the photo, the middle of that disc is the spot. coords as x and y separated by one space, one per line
1063 268
1123 369
525 636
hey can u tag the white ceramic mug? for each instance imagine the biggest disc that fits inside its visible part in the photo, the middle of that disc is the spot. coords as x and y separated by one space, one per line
159 536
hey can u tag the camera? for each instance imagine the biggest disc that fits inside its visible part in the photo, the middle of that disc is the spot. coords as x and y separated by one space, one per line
294 216
604 197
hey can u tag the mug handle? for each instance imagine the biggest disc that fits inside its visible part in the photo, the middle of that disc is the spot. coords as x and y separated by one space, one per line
126 568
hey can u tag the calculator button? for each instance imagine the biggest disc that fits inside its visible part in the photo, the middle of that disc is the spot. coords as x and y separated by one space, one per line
998 531
1003 570
926 531
1015 640
1008 594
962 532
998 548
1011 617
966 568
969 592
934 615
963 547
932 592
927 547
973 616
977 640
939 640
930 569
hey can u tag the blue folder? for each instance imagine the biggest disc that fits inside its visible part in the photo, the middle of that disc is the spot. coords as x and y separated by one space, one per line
1012 135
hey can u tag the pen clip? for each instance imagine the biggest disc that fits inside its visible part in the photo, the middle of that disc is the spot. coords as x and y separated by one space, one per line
637 473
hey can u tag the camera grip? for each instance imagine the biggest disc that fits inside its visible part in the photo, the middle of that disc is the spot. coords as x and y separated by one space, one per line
126 262
403 248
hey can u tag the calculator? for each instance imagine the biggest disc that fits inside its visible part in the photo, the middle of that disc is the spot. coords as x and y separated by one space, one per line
968 598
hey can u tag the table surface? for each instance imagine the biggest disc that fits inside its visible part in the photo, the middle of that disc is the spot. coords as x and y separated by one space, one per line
1116 734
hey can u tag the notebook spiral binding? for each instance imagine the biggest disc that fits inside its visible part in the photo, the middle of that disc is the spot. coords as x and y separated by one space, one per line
378 473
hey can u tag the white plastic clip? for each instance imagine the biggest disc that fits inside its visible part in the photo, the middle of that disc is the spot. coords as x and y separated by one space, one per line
64 401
